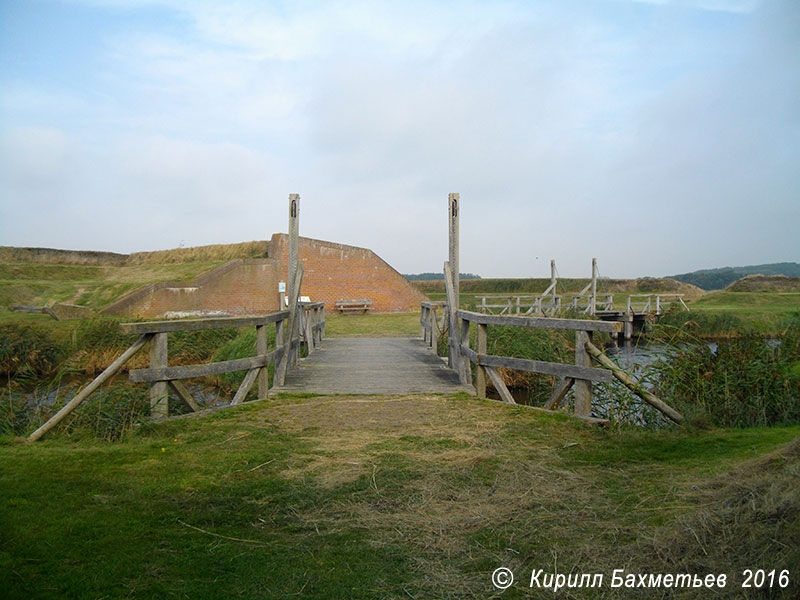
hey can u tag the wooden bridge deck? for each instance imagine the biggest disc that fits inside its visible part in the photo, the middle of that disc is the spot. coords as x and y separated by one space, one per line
372 366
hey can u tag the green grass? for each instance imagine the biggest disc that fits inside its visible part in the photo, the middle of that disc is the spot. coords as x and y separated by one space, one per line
372 324
335 497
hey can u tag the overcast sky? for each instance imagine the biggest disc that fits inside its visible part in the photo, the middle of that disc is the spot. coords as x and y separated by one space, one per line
660 137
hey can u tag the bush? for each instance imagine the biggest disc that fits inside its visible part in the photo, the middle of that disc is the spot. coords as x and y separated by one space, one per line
27 352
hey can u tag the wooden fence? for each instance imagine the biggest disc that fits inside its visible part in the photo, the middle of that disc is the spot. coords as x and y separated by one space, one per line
309 330
432 324
579 375
645 304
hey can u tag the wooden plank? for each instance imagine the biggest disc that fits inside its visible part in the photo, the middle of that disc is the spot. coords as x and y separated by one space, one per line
184 395
583 388
261 350
541 322
202 370
107 374
452 331
559 392
500 385
294 293
464 368
195 324
480 376
159 397
249 379
469 353
545 368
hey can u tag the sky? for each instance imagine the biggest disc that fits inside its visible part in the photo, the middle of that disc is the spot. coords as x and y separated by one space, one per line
658 136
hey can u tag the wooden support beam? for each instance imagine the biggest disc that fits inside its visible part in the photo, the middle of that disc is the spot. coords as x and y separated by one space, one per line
180 389
292 325
500 385
261 350
452 309
583 388
159 397
464 368
107 374
559 392
480 377
637 389
202 370
247 383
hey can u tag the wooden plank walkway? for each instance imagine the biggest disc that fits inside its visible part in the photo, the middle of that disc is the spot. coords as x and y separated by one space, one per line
372 366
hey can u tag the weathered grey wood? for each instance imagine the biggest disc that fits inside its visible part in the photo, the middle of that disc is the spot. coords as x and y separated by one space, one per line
452 321
261 350
454 208
544 368
294 239
196 324
202 370
280 334
372 366
541 322
480 376
583 388
464 370
159 397
470 354
593 299
183 394
648 397
500 385
107 374
291 329
559 392
247 383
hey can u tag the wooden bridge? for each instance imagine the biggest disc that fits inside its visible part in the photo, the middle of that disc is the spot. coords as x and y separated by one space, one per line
369 365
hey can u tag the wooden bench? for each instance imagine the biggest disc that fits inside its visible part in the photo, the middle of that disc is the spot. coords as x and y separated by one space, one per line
358 305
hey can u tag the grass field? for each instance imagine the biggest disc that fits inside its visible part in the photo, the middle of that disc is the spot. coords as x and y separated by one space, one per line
94 286
388 497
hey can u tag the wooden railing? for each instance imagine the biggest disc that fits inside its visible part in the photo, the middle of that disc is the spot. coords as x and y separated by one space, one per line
520 305
432 324
580 375
645 304
308 331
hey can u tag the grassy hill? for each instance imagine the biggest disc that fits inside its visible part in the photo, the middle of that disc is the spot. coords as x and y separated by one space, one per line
95 279
391 497
717 279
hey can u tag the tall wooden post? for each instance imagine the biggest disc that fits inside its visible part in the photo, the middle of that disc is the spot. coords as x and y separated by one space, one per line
294 240
294 218
553 284
593 300
453 201
159 395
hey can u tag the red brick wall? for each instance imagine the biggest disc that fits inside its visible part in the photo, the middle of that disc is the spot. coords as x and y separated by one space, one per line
335 271
250 286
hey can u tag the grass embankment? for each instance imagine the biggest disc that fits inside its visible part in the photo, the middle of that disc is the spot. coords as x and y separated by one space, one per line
393 497
35 276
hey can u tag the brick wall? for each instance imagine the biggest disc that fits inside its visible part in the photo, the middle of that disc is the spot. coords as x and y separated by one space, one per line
250 286
336 271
